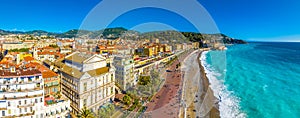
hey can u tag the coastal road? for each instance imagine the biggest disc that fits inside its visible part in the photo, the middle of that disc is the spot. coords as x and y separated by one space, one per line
185 93
166 102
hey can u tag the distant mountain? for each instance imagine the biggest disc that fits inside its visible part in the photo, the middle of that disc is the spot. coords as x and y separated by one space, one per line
105 33
113 33
4 32
190 36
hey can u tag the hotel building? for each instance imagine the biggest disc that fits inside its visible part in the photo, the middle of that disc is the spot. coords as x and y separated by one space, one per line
21 91
125 76
87 81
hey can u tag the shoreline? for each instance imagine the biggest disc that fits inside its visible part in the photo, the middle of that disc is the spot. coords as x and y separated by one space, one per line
214 112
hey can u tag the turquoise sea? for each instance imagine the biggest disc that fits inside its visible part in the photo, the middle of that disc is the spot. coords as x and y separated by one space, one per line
256 80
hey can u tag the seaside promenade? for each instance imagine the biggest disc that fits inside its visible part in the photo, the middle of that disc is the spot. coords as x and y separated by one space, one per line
185 93
166 102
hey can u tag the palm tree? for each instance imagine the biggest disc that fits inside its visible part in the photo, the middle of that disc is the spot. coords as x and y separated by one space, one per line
85 113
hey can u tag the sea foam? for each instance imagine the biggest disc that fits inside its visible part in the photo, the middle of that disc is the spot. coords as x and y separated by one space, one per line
228 102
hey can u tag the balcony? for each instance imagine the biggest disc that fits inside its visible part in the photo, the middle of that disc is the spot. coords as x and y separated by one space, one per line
8 90
20 82
21 97
25 105
3 108
27 114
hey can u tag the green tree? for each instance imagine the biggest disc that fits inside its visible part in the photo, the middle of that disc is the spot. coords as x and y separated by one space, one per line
85 113
144 80
102 113
53 46
127 100
111 107
106 112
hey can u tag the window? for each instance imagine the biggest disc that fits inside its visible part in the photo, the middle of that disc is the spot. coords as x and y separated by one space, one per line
111 90
107 76
106 91
25 109
9 111
8 103
30 109
20 109
103 95
54 89
3 113
112 77
103 80
92 99
84 102
100 94
84 87
41 100
25 102
36 101
19 102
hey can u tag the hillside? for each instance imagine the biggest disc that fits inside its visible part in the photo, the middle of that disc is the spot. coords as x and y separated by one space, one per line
113 33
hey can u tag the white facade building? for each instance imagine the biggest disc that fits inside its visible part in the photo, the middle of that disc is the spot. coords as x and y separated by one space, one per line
22 92
57 110
87 81
124 71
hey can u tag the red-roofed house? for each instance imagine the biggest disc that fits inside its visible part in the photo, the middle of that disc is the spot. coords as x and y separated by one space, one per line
46 55
51 82
29 59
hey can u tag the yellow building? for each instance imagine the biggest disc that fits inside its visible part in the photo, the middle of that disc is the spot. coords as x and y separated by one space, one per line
21 56
195 44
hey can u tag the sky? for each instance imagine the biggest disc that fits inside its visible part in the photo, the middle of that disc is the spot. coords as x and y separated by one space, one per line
262 20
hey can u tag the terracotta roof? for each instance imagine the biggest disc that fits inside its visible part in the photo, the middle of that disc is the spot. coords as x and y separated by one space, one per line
20 72
46 53
40 67
7 64
48 74
48 47
28 58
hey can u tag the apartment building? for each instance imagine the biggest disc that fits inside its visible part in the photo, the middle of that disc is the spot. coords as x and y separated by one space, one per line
125 76
16 45
21 91
87 81
51 81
